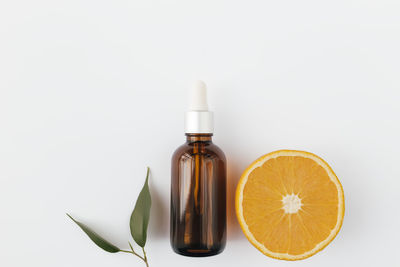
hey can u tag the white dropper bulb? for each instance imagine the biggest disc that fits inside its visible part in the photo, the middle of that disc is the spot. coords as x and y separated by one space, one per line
199 97
199 119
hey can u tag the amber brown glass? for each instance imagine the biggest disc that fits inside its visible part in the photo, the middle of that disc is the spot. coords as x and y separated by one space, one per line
198 198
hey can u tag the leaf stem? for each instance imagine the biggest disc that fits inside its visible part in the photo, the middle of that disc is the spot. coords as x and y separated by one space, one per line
145 257
126 251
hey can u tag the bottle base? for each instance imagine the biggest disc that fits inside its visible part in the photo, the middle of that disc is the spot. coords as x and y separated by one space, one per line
197 252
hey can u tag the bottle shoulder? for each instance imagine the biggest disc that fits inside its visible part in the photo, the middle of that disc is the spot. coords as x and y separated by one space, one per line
218 151
207 149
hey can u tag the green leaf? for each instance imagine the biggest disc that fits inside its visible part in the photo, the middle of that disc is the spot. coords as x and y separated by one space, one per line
141 214
98 240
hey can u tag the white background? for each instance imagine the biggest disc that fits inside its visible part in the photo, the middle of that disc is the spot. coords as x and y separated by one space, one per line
92 92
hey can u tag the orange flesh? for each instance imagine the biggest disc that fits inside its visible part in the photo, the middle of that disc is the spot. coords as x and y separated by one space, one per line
300 231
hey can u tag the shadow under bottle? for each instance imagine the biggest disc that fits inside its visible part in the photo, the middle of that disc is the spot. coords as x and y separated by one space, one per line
198 198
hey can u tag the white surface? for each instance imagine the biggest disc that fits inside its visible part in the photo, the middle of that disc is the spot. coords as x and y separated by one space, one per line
94 91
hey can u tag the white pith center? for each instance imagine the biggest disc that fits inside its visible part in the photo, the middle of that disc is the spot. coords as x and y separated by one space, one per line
291 203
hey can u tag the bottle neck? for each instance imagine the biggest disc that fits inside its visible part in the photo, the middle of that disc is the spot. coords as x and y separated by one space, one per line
198 137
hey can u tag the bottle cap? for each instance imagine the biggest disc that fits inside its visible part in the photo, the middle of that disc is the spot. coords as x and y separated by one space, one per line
199 119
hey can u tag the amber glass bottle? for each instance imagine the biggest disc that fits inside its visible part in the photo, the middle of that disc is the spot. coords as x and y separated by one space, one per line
198 189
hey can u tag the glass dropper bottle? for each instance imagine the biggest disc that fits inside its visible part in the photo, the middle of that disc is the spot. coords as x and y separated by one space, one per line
198 185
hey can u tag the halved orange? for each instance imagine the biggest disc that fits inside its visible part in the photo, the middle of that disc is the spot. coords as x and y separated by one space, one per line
289 204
